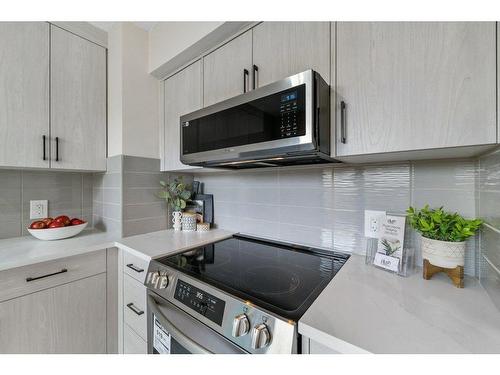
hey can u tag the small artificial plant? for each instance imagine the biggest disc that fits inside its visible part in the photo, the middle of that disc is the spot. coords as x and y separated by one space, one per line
437 224
176 193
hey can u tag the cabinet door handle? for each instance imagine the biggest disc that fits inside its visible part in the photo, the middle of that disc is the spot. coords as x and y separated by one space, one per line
254 76
135 268
57 149
44 138
132 307
64 270
245 80
343 119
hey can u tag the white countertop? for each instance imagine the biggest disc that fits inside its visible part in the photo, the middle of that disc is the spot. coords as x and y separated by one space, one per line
157 244
365 309
23 251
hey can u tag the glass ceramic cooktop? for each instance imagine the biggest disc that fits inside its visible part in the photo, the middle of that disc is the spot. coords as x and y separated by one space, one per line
281 278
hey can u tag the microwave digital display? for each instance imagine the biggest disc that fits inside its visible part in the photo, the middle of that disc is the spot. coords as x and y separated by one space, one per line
289 96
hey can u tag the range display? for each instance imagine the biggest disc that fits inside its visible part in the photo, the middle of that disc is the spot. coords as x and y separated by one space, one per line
202 302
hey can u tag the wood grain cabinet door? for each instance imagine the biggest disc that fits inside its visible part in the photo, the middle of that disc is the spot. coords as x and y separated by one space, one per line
24 94
415 85
70 318
182 94
281 49
223 70
78 102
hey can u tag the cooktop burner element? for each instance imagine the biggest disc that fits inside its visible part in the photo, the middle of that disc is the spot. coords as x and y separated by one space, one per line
281 278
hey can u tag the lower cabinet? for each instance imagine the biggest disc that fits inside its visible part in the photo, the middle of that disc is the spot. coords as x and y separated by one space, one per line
69 318
133 304
317 348
132 342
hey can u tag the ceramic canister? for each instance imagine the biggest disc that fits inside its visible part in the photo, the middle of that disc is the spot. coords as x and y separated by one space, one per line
188 222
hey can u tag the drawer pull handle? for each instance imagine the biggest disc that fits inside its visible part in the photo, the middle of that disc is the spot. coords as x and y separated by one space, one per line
135 268
134 309
64 270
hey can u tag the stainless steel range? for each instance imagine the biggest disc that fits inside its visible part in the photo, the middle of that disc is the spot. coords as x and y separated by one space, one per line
239 295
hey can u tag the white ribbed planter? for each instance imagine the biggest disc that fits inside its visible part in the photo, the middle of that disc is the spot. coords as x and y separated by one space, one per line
177 220
442 253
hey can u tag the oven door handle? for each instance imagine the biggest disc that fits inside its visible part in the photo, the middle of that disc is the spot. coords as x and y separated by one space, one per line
185 341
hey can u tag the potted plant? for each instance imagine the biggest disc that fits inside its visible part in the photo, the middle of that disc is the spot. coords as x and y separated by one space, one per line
443 236
176 194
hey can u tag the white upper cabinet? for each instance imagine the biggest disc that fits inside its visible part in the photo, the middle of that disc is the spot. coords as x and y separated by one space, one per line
24 94
78 102
183 93
415 86
226 71
281 49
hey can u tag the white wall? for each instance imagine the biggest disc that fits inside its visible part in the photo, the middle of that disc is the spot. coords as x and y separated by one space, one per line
168 39
133 94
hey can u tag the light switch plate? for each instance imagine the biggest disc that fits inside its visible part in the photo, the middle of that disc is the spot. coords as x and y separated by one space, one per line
39 209
373 220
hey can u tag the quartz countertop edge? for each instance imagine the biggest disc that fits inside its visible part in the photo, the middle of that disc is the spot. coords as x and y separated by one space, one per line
368 310
24 251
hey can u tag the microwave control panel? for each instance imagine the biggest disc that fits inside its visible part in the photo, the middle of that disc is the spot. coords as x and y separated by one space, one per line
288 114
202 302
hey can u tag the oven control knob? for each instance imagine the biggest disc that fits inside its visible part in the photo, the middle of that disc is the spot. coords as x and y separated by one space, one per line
261 337
241 325
162 282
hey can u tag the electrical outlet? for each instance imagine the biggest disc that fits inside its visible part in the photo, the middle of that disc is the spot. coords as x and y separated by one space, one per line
38 209
373 219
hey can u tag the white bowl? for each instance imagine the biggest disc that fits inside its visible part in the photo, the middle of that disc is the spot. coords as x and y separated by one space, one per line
51 234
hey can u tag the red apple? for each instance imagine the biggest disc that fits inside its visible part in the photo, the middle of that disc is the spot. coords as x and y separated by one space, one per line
56 224
63 219
38 225
76 221
47 220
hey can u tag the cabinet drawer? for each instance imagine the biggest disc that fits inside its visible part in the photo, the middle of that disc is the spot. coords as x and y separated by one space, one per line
28 279
134 305
132 342
135 266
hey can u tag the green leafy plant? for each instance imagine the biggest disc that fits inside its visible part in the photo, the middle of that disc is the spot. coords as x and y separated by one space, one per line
437 224
176 193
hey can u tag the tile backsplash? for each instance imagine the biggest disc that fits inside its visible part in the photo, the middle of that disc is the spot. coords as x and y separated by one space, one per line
125 200
68 193
488 203
324 206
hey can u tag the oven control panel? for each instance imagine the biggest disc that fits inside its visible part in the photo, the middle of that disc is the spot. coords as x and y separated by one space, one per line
200 301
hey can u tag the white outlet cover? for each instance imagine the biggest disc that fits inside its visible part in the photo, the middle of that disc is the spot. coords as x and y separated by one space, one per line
373 219
39 209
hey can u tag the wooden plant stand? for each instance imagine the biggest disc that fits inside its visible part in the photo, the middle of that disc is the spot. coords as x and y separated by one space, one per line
456 274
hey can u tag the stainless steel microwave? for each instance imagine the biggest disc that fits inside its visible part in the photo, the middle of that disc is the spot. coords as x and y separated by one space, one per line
283 123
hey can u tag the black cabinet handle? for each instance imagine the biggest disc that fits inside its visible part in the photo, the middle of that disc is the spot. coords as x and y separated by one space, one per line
44 138
245 80
64 270
135 268
57 149
343 119
254 76
134 309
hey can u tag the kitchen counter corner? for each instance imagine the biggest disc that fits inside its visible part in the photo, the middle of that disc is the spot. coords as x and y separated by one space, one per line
365 309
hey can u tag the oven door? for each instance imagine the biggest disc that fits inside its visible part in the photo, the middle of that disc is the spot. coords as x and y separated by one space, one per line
173 331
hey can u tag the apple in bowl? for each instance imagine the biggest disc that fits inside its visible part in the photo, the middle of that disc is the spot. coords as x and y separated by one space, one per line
56 229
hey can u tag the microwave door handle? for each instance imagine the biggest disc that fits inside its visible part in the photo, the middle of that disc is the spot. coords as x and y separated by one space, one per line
182 339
